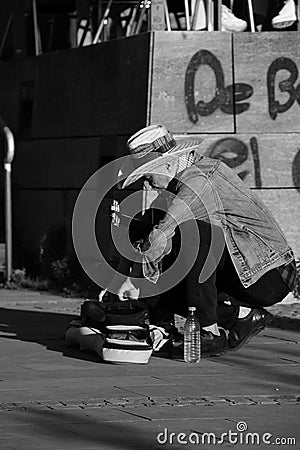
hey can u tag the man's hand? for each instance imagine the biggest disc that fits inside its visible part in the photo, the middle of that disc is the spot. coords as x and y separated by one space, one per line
101 295
128 291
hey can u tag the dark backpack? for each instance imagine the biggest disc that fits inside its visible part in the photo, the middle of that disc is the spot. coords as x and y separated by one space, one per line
98 315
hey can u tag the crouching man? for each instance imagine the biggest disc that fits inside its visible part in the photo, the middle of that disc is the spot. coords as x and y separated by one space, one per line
214 245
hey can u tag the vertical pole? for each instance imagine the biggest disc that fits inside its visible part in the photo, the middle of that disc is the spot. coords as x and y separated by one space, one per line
141 18
37 37
167 16
8 204
209 14
218 14
195 13
187 15
5 34
250 8
8 223
132 22
102 23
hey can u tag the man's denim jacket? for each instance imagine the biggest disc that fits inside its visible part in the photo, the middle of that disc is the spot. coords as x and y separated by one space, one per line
210 190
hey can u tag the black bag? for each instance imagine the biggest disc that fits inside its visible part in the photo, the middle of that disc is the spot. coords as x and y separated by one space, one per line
130 312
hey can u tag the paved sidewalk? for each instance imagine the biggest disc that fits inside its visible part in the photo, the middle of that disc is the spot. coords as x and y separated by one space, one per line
54 397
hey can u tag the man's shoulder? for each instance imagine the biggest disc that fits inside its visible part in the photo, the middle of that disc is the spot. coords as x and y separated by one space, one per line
201 165
193 177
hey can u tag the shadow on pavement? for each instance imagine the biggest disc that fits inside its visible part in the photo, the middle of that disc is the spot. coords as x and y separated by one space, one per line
277 364
286 323
43 327
83 431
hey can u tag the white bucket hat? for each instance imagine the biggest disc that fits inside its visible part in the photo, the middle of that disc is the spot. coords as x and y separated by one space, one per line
152 146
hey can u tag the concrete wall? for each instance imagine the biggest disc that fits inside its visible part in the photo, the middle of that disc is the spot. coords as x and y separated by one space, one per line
71 112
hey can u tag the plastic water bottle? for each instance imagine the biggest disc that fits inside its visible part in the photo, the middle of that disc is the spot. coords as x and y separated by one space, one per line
192 342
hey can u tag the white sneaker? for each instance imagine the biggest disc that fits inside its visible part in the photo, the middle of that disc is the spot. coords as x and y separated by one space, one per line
231 23
286 17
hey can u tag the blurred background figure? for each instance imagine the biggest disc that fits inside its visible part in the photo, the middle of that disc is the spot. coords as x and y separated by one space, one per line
286 17
230 22
268 14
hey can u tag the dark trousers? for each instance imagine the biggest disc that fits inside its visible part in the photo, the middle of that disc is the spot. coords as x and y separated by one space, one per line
222 286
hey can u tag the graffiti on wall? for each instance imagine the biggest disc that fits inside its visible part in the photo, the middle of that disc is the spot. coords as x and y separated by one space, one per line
296 171
287 85
234 99
234 152
231 99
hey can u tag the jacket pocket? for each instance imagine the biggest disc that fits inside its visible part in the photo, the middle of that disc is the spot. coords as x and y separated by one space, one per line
261 244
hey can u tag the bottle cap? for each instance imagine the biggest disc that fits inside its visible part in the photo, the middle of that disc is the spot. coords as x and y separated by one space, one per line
192 308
